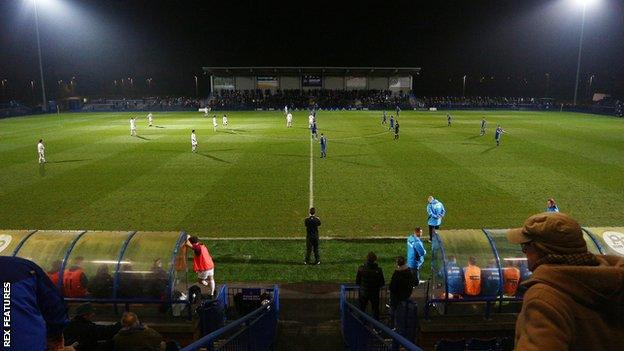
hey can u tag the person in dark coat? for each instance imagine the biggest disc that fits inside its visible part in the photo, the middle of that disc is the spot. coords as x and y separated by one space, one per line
88 335
312 237
400 286
136 336
101 285
370 279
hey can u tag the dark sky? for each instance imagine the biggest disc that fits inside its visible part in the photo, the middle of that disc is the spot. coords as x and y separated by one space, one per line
509 40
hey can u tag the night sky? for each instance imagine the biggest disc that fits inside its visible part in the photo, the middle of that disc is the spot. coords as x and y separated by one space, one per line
497 43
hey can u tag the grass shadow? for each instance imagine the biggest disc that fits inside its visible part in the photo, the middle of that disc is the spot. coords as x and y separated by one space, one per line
67 161
474 137
213 158
161 127
488 150
142 137
291 155
358 164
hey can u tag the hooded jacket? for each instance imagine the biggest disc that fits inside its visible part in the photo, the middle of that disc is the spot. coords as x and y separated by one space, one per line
415 252
370 278
435 212
573 307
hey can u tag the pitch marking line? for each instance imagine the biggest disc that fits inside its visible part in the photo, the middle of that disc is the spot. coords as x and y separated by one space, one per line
311 204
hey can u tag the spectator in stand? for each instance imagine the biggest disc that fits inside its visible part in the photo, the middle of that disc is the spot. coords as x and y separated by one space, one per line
551 205
135 336
312 223
415 254
575 300
202 263
401 285
435 212
101 285
86 334
472 278
38 312
75 280
370 279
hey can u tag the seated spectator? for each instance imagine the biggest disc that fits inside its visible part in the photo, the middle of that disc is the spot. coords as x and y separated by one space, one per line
401 285
511 278
75 280
85 334
37 309
101 285
370 279
130 282
158 281
472 278
135 336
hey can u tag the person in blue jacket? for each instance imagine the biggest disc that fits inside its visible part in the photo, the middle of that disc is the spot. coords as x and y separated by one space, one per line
35 309
435 212
415 253
551 205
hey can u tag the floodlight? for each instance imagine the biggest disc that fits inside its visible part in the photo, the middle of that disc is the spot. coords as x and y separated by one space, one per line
586 3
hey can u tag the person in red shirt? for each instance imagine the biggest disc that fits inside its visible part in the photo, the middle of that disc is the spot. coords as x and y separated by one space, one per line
202 263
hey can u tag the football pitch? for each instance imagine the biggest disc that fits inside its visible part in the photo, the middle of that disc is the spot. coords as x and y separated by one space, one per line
254 178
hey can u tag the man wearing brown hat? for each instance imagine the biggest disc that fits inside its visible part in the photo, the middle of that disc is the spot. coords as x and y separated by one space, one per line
575 300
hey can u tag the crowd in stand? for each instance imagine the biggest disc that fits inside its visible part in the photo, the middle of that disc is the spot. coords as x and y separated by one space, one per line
453 102
145 104
307 99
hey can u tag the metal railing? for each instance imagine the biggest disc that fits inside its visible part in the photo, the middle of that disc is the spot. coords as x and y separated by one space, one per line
253 332
362 332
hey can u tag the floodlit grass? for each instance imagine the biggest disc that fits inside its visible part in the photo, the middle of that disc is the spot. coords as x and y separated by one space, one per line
253 179
282 260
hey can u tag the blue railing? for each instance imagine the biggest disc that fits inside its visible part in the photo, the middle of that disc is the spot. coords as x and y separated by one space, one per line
254 332
362 332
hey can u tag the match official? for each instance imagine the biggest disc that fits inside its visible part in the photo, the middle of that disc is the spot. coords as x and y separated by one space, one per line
312 237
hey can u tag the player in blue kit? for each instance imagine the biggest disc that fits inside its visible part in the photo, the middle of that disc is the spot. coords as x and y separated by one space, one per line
323 142
391 126
449 119
497 135
313 130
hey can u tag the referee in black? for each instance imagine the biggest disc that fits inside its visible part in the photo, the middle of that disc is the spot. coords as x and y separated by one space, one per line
312 237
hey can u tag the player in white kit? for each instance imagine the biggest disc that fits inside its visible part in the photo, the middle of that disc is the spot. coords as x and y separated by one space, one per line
132 127
289 120
150 119
224 122
310 120
193 141
214 123
41 151
286 109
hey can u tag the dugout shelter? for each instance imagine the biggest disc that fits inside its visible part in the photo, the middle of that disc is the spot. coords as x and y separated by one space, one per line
482 271
106 266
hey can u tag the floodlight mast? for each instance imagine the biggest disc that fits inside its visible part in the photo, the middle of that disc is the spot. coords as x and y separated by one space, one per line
43 94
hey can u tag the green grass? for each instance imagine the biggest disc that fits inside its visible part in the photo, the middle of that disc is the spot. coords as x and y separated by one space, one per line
252 180
282 260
